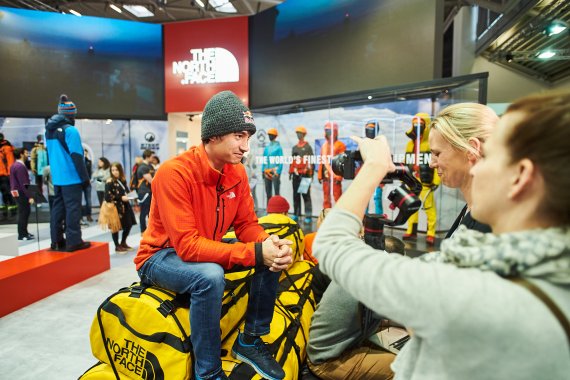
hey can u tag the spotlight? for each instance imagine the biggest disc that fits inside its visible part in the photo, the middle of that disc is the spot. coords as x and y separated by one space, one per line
509 57
116 8
546 54
555 27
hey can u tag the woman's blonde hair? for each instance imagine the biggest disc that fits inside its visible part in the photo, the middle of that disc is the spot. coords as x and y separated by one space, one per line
458 123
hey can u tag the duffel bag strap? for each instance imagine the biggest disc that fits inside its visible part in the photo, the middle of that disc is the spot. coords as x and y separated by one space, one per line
104 338
159 337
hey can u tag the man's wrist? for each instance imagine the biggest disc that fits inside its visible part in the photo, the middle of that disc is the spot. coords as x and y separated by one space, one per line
258 255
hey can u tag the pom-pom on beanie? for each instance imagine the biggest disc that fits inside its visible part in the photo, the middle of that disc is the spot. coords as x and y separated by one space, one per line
66 107
225 113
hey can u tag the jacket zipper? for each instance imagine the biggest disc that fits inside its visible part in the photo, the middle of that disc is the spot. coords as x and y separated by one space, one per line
223 214
218 195
220 191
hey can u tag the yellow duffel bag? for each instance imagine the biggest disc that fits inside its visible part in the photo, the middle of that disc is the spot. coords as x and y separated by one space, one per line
287 340
282 226
144 331
102 371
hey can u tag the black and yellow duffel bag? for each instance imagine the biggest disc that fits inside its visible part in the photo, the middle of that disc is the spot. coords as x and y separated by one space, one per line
282 226
144 331
286 228
287 340
102 371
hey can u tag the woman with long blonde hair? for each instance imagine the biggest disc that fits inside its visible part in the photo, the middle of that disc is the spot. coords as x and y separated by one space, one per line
456 141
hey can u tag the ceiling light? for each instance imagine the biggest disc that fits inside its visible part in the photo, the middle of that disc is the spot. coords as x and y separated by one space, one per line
223 6
75 13
546 54
138 10
555 27
369 97
116 8
509 57
200 3
109 121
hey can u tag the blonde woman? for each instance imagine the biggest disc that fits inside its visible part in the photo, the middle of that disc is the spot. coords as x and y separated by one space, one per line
456 141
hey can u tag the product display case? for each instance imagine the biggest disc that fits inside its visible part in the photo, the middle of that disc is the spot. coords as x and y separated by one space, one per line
392 109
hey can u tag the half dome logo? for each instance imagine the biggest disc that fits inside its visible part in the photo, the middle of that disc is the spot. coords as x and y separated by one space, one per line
210 65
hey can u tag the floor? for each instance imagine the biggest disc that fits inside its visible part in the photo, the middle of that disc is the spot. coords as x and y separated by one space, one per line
50 338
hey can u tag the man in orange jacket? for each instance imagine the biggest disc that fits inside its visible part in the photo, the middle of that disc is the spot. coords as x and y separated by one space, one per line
197 196
330 148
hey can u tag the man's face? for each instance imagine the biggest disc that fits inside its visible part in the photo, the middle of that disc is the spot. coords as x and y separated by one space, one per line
25 155
230 148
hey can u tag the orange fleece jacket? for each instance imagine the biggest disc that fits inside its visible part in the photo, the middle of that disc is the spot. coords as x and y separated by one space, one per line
308 254
193 205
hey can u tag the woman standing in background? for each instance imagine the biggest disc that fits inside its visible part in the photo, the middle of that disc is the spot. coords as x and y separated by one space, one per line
116 190
101 175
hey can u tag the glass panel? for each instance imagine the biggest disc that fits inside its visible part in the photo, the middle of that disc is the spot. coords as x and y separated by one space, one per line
351 114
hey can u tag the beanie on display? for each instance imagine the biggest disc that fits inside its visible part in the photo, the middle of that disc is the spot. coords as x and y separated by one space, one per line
277 204
225 113
66 107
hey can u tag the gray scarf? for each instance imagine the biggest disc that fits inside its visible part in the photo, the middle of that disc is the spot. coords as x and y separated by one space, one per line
540 253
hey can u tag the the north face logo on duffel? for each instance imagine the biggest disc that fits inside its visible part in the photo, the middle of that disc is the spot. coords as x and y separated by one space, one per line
136 359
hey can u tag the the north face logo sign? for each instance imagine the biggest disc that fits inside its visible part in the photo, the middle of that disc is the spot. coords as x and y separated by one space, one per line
136 359
231 195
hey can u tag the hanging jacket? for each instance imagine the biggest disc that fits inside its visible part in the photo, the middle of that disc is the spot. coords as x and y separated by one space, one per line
194 205
38 158
325 170
427 176
6 157
273 153
302 154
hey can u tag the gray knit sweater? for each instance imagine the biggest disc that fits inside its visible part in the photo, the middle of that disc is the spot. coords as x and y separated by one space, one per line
467 323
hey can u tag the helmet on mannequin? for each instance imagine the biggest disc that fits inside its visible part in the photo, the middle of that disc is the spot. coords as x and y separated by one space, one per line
272 131
301 129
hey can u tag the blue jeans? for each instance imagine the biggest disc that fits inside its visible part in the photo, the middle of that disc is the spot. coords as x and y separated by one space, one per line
204 283
66 207
145 211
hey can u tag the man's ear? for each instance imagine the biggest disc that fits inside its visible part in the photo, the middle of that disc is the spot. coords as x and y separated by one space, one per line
524 173
478 146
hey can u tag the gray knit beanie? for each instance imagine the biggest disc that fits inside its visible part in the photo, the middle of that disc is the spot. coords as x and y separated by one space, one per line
225 113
